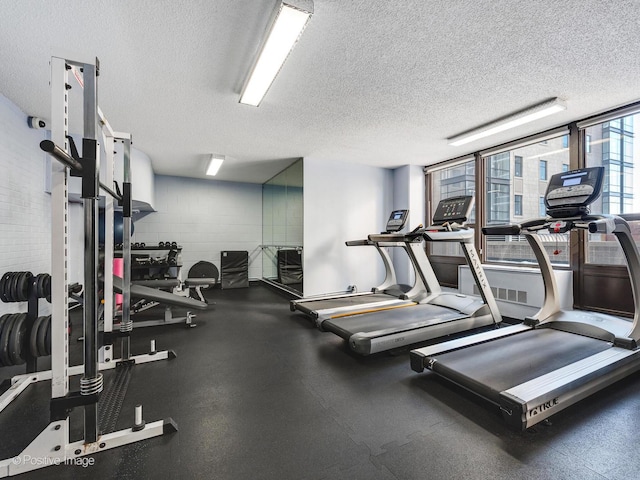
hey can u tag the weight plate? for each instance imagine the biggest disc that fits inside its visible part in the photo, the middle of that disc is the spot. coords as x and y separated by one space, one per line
5 337
10 289
33 338
4 341
17 297
16 337
42 332
21 287
7 286
47 286
15 278
4 287
43 286
39 280
47 337
3 320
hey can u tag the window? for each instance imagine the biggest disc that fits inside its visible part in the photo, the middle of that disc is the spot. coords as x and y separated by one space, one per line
565 167
543 170
517 205
499 166
497 203
613 145
517 167
509 199
565 141
542 209
498 187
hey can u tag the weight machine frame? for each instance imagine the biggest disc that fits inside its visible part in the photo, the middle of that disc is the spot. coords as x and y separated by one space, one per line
52 446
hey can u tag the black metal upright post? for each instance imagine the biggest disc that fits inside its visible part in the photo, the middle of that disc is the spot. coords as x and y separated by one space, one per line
91 382
32 314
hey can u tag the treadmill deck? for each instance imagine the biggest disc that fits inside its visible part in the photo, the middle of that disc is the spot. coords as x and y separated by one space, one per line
495 366
309 306
391 321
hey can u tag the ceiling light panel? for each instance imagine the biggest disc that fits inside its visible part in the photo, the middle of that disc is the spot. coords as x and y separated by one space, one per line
285 31
520 118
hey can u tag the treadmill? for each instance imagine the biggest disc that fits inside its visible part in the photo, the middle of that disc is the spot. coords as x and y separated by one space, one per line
387 294
555 358
438 313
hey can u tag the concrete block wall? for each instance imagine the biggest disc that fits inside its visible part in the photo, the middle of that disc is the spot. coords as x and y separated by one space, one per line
25 207
205 217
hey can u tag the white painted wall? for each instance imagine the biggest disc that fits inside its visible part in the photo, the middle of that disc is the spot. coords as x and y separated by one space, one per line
25 212
343 202
205 217
408 193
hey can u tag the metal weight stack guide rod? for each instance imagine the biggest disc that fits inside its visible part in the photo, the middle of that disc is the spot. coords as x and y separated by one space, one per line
52 446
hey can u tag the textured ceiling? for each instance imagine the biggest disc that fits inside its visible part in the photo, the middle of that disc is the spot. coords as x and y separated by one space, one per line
376 82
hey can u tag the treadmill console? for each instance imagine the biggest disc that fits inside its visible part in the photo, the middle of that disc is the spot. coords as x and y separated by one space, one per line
453 210
569 194
396 221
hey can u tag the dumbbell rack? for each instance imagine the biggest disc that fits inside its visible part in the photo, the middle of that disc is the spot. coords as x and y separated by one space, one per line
145 267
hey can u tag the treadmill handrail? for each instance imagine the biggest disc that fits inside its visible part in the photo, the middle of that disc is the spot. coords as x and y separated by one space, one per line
358 243
594 223
393 237
390 278
461 236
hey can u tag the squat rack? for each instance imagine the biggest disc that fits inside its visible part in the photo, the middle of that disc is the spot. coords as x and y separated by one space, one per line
52 446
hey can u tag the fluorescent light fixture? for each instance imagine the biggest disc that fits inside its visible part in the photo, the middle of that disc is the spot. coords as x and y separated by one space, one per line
215 162
285 31
519 118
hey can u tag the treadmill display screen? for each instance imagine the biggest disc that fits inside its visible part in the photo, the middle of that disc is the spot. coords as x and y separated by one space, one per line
571 181
571 193
455 209
397 219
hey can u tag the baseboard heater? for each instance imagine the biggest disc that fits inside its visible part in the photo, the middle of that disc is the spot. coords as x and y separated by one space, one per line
519 291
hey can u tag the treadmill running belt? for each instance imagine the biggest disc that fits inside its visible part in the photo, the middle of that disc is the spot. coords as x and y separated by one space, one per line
316 305
395 320
492 367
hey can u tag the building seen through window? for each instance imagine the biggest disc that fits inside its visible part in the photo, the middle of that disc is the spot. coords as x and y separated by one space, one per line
515 183
613 145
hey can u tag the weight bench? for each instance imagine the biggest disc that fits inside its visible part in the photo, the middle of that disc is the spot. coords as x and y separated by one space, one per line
201 275
150 297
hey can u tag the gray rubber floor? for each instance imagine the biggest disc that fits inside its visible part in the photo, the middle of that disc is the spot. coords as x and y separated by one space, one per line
259 393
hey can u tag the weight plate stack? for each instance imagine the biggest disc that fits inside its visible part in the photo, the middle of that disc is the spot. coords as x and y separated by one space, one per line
15 286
